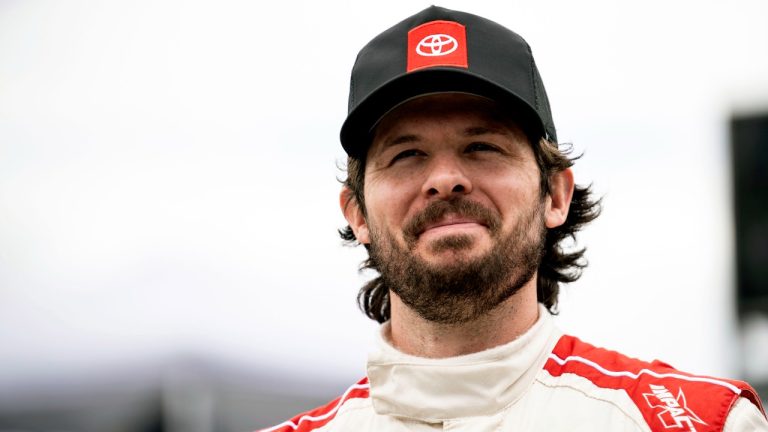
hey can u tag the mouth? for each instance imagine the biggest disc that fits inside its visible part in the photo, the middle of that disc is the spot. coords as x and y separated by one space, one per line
452 223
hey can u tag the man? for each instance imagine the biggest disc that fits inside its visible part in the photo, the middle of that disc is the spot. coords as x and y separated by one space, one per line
458 191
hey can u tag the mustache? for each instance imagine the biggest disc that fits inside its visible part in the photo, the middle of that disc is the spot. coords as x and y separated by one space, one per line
461 207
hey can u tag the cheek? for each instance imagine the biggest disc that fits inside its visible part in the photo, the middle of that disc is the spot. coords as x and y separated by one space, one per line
509 187
512 194
388 201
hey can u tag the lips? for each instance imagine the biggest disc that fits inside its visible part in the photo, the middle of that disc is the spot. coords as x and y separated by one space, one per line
449 220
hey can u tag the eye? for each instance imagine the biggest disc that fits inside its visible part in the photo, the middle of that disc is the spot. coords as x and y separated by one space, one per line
406 154
481 146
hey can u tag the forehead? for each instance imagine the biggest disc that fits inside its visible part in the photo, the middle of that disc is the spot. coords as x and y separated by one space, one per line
458 109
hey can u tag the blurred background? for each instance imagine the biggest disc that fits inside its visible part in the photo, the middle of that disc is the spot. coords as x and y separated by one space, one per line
168 198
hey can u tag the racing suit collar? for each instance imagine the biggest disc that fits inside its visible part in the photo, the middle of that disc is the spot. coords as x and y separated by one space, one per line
482 383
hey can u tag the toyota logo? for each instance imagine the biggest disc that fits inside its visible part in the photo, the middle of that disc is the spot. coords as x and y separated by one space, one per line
437 45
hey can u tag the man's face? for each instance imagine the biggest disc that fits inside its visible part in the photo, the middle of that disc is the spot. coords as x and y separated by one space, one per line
454 216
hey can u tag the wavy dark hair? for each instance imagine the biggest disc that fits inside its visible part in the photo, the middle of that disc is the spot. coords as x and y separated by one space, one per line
557 264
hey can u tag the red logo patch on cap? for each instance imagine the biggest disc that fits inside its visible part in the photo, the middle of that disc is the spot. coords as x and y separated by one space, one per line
437 43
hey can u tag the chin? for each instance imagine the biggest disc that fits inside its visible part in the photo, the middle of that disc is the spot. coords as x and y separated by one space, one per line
457 244
444 253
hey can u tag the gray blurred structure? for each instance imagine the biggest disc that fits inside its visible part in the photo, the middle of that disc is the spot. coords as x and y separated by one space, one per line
190 395
749 157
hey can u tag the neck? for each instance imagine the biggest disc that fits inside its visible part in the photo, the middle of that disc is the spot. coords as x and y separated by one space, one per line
412 334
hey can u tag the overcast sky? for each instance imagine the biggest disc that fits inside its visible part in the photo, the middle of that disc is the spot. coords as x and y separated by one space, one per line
168 176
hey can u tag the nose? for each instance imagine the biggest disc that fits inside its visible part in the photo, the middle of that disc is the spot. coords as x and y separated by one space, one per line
446 177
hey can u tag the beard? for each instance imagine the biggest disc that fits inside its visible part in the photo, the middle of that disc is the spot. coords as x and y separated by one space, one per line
467 287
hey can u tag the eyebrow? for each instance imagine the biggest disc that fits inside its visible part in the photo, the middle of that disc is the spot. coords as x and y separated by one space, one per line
403 139
483 130
400 139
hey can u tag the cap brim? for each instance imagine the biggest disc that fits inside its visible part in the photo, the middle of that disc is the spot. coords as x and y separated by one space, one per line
356 132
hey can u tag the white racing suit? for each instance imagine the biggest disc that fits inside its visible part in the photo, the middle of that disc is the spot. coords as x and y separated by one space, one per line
543 381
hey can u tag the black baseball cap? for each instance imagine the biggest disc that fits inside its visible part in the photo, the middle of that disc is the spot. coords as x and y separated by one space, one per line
441 50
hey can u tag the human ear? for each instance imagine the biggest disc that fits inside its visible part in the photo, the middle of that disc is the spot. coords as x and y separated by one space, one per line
354 215
559 199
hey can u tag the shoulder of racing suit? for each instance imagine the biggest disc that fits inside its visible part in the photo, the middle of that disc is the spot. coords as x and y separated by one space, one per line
319 417
666 397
